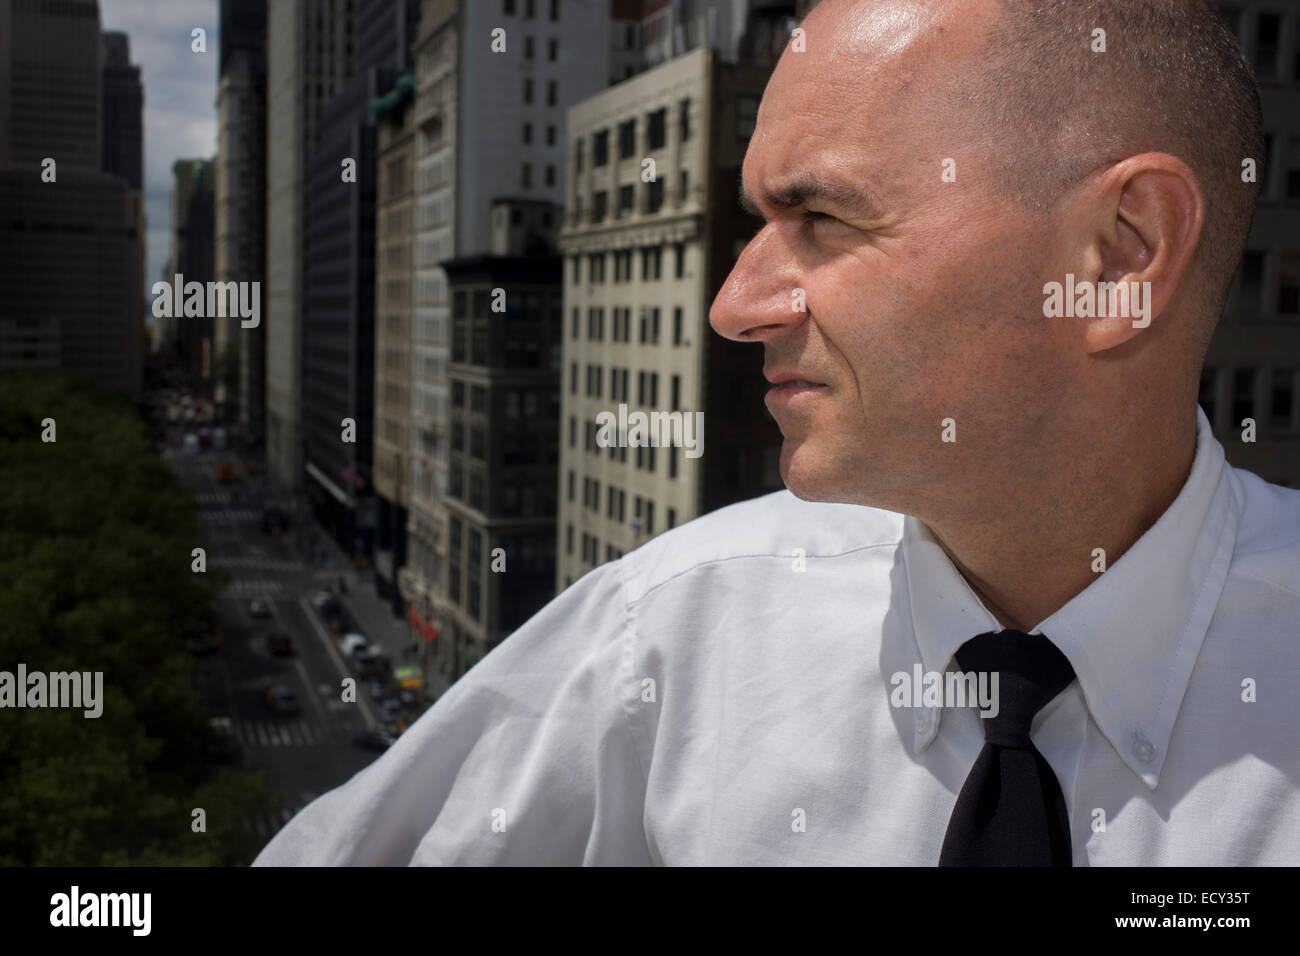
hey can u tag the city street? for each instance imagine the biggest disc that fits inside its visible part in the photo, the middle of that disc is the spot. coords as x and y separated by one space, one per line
313 750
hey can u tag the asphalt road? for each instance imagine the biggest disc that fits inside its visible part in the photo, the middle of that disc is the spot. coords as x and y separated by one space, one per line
303 754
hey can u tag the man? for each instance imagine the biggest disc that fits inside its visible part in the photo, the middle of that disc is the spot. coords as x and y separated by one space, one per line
981 484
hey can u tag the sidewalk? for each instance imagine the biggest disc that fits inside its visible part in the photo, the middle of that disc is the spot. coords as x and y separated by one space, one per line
373 615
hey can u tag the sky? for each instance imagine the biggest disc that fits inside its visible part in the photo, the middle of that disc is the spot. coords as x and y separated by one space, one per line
180 98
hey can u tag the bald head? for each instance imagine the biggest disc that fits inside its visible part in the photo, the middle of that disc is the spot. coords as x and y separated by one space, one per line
1071 85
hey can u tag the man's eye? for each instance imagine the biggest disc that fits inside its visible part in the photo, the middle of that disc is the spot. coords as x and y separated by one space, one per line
811 216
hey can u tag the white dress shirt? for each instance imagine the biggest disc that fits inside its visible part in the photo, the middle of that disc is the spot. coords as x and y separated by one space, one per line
721 695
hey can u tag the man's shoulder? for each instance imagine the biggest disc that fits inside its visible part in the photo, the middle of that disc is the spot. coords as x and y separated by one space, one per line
776 525
1268 532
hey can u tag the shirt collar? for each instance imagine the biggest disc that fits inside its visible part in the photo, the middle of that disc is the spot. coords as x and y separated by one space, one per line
1132 635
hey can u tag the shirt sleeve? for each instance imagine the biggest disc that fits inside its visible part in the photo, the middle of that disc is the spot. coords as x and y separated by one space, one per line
528 759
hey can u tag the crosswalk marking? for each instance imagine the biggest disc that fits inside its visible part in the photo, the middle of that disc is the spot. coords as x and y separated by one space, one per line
297 733
267 825
247 588
230 515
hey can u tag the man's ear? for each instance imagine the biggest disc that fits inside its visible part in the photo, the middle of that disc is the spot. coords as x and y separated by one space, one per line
1150 211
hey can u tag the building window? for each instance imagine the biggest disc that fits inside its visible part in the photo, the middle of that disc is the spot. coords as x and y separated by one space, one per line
746 116
655 194
684 119
550 92
1282 404
649 517
1243 395
577 154
598 205
600 149
568 539
677 394
550 175
510 8
1288 285
679 259
526 175
571 484
656 132
678 328
529 9
672 518
528 89
626 138
1267 34
550 134
457 394
626 199
528 132
552 50
528 48
1252 281
573 378
573 431
555 11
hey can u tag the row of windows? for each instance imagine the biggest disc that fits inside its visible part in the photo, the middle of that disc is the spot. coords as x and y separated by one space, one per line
591 544
645 455
656 129
647 387
653 193
552 91
552 48
550 134
526 175
530 9
1265 395
651 264
621 327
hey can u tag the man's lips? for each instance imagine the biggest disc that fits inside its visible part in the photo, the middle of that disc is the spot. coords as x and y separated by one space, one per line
792 380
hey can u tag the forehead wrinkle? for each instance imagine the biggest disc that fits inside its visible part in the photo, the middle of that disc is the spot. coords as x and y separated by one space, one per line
807 187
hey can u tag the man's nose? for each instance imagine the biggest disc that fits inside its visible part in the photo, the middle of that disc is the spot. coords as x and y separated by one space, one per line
760 299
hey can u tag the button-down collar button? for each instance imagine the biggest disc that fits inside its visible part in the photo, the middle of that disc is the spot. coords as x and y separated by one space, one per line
1143 749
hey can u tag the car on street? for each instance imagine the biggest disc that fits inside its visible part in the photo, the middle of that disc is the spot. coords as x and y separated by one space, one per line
222 725
280 644
325 601
259 607
375 740
351 643
281 699
375 665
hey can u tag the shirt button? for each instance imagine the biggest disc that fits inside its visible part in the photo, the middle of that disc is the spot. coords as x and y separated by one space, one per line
1143 749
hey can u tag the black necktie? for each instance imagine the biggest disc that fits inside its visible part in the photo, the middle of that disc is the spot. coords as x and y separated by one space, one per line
1011 811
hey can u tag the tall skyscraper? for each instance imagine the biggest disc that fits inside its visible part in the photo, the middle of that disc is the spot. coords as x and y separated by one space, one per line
489 125
240 202
192 255
309 59
645 257
71 253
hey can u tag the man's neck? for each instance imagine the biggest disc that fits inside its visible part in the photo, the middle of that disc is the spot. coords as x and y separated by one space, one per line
1030 553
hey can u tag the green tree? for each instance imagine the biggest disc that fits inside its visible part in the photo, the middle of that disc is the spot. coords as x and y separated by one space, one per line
95 540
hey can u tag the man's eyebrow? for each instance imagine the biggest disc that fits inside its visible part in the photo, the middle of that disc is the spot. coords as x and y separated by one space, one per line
805 188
